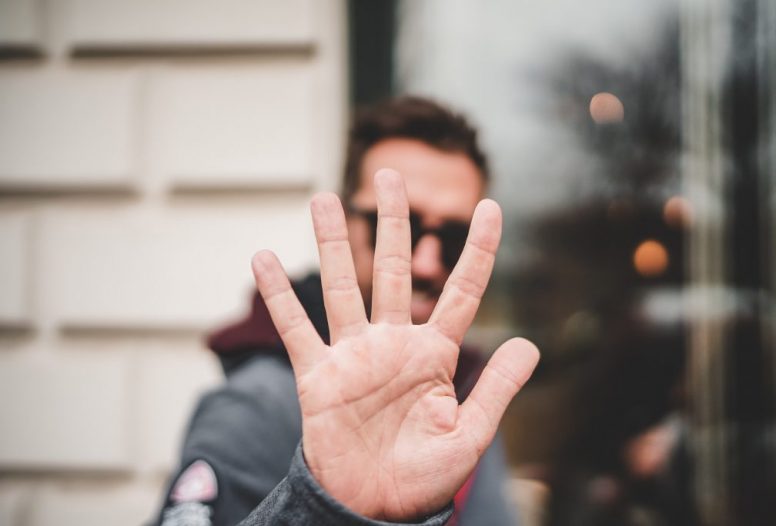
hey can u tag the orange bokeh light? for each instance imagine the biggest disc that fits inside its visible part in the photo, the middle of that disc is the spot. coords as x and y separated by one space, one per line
650 258
606 108
677 212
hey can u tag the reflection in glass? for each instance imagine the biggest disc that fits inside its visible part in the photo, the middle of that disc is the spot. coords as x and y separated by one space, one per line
632 148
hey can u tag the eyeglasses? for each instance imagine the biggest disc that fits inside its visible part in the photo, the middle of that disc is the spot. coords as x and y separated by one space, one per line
451 234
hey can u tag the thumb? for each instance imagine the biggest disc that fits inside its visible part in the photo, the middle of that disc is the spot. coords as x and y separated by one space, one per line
507 371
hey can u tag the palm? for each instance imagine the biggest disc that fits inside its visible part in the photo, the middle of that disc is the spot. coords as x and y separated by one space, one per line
382 429
394 415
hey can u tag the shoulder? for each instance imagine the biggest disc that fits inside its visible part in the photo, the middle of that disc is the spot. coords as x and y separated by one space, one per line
242 436
259 396
264 382
265 375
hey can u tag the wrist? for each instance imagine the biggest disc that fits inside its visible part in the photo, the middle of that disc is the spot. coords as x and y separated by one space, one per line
335 512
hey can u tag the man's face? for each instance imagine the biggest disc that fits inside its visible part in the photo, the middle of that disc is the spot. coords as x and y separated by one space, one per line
442 187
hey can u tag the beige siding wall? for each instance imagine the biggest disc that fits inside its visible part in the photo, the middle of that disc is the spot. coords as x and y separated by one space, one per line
147 149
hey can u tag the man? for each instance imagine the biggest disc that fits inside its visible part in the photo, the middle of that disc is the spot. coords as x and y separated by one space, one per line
375 388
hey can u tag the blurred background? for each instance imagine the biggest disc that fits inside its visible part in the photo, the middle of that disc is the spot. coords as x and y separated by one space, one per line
149 148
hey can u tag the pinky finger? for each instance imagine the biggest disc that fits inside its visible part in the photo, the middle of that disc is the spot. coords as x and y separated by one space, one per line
304 345
507 371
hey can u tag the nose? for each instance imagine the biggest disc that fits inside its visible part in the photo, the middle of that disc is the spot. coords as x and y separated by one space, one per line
427 258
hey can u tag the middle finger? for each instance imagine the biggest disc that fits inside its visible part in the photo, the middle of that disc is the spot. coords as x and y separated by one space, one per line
392 282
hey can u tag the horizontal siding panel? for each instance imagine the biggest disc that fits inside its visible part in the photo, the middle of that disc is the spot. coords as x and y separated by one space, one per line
15 268
66 130
68 413
175 269
235 126
198 24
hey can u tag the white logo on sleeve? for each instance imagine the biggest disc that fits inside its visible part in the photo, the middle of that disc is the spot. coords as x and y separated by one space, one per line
197 483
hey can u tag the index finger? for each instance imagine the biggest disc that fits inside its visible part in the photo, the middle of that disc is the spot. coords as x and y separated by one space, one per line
304 345
341 295
463 291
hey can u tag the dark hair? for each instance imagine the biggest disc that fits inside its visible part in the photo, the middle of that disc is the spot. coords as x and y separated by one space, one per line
411 118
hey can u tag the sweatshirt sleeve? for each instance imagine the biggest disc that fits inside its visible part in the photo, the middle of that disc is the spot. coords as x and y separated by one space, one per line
300 501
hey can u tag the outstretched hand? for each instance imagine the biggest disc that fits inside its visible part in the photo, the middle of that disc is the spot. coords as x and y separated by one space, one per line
383 432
